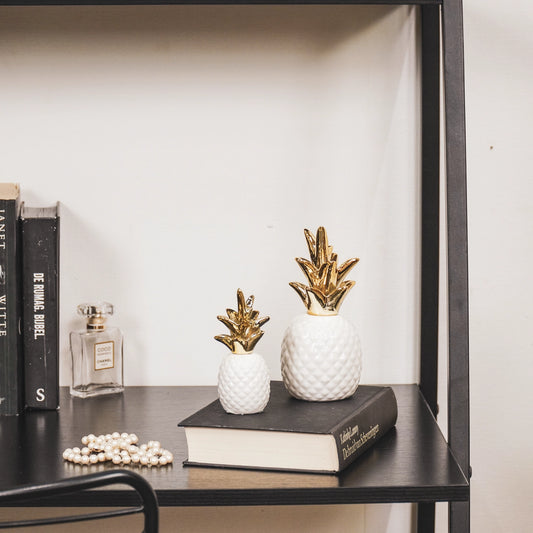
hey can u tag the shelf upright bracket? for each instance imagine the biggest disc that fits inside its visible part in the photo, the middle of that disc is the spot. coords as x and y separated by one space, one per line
429 304
429 312
458 372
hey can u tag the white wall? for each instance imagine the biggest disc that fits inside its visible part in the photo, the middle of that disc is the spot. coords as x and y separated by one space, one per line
499 84
499 114
190 146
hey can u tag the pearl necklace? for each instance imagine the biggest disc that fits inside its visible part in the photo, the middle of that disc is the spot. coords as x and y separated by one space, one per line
120 449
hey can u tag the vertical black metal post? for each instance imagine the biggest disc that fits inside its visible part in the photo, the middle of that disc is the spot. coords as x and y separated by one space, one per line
429 320
458 380
429 310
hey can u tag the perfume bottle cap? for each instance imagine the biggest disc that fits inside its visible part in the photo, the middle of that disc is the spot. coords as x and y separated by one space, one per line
96 314
99 309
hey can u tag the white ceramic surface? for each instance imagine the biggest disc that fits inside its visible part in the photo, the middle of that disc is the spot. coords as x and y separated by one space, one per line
243 383
321 358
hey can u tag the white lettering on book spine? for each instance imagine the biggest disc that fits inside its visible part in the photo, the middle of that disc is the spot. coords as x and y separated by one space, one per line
3 316
2 229
39 329
352 445
349 433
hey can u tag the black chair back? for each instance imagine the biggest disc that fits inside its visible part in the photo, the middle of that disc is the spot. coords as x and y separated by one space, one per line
29 493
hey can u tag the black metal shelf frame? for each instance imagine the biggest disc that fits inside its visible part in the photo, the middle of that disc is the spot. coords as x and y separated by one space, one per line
442 56
448 19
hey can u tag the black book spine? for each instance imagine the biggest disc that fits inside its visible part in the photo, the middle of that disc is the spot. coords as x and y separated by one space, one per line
354 436
40 313
11 364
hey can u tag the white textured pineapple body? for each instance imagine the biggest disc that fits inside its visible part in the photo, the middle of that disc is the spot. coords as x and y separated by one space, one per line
243 383
321 358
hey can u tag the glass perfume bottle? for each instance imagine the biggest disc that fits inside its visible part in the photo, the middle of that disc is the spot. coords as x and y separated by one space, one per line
97 358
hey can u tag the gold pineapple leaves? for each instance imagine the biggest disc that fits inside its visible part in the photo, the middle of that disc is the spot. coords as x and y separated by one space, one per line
244 326
327 288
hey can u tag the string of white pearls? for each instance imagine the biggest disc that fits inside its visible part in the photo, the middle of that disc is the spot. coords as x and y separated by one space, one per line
120 449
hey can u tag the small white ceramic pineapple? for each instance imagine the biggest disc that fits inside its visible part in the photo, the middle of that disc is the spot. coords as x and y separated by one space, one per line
243 378
321 351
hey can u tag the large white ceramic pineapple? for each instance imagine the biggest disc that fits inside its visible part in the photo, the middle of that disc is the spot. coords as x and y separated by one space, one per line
321 351
243 377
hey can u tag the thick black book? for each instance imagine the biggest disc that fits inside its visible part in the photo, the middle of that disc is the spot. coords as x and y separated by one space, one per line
291 434
40 305
11 363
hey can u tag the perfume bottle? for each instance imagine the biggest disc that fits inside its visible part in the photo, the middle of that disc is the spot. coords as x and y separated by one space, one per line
97 359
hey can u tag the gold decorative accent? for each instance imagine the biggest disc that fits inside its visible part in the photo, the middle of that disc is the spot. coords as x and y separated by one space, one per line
244 326
326 290
96 322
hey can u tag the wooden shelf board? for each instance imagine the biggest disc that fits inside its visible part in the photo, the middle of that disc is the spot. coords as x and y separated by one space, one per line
412 463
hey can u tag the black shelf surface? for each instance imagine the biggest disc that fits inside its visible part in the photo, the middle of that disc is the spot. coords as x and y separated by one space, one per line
412 463
212 2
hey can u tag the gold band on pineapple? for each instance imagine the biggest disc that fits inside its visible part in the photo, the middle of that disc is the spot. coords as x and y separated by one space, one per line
327 289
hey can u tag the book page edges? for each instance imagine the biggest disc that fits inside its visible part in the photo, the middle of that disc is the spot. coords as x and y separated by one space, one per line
27 212
9 191
262 449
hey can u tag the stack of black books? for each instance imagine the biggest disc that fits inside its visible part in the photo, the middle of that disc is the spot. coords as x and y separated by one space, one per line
29 304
